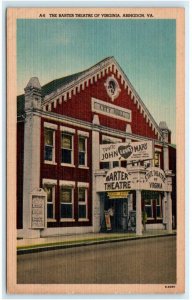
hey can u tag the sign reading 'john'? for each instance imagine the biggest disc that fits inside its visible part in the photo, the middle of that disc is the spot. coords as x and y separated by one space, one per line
126 151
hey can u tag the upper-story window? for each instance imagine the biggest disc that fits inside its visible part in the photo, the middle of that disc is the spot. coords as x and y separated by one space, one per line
157 159
66 148
49 142
82 147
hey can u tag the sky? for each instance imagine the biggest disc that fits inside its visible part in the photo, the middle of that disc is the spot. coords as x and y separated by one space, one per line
145 50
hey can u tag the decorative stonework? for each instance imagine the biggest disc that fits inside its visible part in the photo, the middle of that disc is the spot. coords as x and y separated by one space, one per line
112 87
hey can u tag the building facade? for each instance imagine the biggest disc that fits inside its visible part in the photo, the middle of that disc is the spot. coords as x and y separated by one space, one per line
60 128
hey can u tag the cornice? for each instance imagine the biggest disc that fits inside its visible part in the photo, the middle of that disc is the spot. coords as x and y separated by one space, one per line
90 126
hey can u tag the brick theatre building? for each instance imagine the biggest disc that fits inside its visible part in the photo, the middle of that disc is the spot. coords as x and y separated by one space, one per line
60 129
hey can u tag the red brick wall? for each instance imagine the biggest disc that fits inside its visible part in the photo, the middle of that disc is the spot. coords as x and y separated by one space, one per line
79 106
59 172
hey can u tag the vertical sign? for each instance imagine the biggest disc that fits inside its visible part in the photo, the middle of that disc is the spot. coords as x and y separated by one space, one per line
38 209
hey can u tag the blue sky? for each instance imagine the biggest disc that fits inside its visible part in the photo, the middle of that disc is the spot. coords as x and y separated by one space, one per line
145 49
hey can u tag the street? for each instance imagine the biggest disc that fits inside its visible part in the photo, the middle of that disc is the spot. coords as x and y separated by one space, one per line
143 261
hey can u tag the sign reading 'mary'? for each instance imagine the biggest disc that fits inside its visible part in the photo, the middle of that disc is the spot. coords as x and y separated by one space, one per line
126 151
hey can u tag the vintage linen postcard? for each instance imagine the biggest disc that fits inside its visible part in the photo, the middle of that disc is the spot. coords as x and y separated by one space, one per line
95 131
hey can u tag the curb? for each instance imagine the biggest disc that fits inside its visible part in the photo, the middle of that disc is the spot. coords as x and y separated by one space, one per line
87 243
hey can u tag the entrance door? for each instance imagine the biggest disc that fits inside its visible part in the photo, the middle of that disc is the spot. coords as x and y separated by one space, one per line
118 211
120 215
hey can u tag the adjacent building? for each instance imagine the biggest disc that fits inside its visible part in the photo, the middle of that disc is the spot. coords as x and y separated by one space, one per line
60 128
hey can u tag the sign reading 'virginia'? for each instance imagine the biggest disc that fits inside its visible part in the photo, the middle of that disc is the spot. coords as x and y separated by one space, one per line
126 151
156 179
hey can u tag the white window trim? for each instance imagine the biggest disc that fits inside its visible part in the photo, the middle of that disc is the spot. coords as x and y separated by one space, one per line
67 129
83 203
49 181
72 151
51 162
67 219
67 183
50 125
72 203
85 165
83 133
52 183
158 150
83 184
67 165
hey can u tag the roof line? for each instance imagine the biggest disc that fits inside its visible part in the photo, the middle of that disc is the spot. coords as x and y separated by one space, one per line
137 95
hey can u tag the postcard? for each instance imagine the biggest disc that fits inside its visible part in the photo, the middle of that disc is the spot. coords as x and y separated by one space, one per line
95 150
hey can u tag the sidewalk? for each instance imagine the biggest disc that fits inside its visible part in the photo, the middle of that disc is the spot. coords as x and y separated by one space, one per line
69 241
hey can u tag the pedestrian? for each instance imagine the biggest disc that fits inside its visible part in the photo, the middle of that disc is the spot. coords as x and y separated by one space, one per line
111 212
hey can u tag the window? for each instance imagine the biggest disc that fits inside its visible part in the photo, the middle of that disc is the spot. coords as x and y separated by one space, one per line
50 190
82 203
49 142
157 160
66 148
115 164
158 208
104 165
66 202
149 208
147 163
82 147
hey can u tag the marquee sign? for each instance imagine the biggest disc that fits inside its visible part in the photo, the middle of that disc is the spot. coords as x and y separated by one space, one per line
126 151
117 194
155 179
119 180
